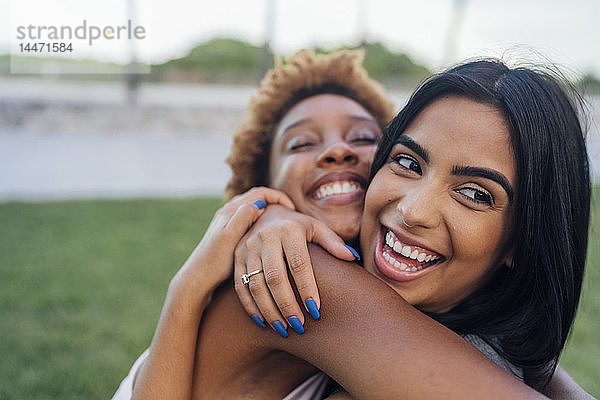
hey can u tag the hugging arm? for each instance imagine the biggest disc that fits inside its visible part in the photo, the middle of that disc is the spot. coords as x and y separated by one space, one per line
167 372
368 339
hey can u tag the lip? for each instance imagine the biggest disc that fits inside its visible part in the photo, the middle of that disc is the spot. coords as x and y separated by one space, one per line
391 272
342 198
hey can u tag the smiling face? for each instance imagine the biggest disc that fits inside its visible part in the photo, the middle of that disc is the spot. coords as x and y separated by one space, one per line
320 156
438 213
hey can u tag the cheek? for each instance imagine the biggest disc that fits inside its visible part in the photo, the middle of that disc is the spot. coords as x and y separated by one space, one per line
375 200
286 172
477 239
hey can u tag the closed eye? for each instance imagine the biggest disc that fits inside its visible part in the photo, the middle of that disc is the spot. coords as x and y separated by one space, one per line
297 146
367 140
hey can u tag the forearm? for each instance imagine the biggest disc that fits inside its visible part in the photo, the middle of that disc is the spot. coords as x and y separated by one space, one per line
378 346
368 339
168 370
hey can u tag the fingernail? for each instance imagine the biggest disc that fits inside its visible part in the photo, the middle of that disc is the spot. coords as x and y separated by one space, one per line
297 325
280 329
353 251
260 204
258 321
311 305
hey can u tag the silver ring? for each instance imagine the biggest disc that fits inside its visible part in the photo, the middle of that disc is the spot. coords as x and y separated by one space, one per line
246 277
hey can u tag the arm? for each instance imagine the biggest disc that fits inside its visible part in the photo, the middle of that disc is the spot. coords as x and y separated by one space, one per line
278 242
366 332
167 372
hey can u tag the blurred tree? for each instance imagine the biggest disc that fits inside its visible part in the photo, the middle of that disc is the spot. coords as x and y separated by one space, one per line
217 60
231 60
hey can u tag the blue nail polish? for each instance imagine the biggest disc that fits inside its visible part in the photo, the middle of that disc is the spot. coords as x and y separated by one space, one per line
297 325
311 305
280 329
258 321
353 251
260 204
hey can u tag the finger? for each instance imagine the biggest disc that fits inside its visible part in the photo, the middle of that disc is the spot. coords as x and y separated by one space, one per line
242 219
276 277
322 235
244 293
299 263
260 293
268 195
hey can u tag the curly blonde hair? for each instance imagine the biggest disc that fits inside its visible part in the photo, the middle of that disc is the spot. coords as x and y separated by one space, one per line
303 75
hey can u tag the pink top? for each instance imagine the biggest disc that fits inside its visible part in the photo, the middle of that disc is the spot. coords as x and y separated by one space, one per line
312 388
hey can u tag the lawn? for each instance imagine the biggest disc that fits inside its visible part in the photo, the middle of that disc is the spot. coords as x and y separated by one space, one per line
82 283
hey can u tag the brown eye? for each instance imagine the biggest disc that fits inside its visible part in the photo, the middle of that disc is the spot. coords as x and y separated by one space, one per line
408 163
476 196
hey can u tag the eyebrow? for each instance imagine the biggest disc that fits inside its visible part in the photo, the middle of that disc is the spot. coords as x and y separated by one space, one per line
309 120
487 174
414 146
295 124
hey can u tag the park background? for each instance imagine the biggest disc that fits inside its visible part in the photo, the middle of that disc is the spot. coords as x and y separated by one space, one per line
109 177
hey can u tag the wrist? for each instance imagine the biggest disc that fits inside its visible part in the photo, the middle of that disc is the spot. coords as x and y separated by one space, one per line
186 298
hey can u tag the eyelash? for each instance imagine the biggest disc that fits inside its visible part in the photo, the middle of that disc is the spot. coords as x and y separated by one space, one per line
300 145
489 201
398 157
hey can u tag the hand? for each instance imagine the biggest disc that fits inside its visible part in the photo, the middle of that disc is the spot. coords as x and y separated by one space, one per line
210 262
281 235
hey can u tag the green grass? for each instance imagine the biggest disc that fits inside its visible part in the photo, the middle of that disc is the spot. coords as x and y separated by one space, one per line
82 283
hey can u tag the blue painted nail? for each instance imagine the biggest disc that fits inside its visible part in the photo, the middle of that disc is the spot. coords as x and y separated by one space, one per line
280 329
258 321
260 204
297 325
311 305
353 251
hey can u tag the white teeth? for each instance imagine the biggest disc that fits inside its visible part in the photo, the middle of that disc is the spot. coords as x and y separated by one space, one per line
405 251
332 188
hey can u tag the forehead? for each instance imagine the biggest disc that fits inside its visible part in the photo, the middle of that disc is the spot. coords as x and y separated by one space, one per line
465 132
323 107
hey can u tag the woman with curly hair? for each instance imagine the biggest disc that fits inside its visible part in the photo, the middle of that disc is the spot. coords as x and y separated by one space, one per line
326 93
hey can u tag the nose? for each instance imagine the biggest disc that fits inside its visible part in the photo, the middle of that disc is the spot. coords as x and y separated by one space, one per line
337 153
419 208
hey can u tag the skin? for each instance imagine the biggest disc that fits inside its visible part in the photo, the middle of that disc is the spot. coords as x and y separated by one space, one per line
465 219
323 140
237 359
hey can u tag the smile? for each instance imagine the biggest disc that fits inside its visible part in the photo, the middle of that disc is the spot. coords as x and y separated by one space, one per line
336 188
403 251
401 261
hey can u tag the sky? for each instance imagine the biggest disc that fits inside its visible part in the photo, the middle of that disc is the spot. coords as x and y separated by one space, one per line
565 32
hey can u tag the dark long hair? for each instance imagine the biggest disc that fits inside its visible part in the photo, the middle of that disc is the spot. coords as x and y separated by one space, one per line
526 310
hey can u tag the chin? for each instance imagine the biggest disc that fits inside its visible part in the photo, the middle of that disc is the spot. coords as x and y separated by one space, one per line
347 232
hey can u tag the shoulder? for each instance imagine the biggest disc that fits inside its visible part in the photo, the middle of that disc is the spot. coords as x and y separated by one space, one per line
488 350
